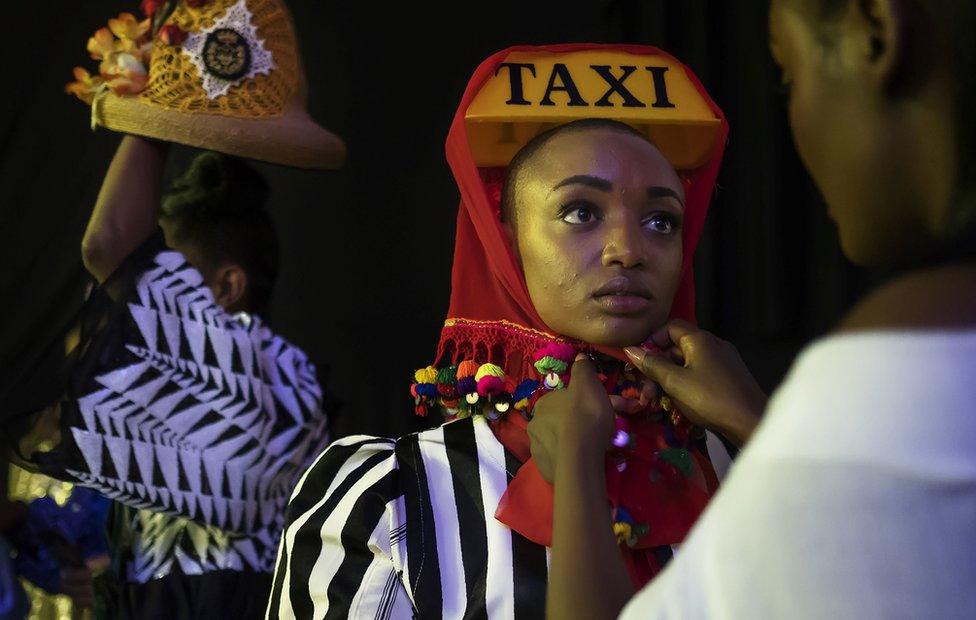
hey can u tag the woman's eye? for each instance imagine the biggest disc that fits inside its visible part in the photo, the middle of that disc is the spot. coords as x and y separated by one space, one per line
663 224
579 215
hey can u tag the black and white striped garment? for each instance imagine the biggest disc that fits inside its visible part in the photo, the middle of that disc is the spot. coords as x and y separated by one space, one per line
382 528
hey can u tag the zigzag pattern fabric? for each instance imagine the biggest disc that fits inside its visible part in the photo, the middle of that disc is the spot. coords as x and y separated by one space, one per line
197 413
163 543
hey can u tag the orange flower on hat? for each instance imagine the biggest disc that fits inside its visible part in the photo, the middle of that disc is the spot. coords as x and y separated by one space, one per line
85 85
124 73
123 49
101 44
132 35
126 27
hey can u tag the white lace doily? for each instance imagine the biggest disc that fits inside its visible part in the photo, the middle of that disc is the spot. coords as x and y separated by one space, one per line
238 19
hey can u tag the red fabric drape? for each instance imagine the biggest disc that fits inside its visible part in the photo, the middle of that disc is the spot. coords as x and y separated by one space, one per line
492 318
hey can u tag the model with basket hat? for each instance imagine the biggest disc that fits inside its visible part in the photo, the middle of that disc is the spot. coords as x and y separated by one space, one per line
585 173
182 404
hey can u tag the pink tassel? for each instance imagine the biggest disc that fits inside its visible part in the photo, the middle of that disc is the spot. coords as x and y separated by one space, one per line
489 386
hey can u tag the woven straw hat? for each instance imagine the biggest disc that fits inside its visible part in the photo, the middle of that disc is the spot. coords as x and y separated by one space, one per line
223 75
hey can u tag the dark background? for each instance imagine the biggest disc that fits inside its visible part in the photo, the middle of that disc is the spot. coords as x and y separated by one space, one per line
366 251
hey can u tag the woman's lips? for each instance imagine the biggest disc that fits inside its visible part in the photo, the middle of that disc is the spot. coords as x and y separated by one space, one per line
622 295
623 304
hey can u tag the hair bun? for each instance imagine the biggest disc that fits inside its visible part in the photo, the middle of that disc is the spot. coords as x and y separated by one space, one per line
215 186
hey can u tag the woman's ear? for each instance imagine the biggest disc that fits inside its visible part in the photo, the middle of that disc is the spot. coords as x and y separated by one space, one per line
888 50
229 286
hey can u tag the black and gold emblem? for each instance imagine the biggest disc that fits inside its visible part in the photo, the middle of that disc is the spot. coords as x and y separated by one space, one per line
226 54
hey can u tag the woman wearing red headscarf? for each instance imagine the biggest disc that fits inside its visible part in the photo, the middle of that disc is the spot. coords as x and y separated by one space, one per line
585 174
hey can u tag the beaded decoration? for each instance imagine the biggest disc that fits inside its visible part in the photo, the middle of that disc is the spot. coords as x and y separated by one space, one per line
470 388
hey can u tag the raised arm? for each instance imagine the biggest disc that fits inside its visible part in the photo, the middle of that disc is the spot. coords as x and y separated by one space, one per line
587 578
127 208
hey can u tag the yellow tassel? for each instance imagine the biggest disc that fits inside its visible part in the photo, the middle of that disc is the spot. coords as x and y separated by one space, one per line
489 370
426 375
622 531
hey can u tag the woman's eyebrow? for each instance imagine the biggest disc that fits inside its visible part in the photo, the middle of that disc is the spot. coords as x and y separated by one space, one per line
659 191
586 179
653 192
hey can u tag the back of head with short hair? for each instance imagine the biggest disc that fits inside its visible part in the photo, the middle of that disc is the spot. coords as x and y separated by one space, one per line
218 207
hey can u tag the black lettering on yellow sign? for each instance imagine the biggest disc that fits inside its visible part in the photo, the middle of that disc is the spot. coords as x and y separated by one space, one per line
515 81
567 85
561 80
617 86
660 87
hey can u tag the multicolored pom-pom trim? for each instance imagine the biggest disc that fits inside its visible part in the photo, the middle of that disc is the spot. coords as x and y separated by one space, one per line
624 528
470 388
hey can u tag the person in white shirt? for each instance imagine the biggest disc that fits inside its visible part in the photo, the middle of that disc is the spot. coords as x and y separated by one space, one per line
856 496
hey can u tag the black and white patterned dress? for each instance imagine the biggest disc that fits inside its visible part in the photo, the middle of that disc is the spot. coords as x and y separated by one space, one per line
400 528
382 528
198 423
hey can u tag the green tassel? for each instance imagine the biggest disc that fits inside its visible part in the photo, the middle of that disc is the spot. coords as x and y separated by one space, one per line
447 376
549 364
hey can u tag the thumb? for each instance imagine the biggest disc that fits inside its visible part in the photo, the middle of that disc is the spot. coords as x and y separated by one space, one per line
584 376
658 368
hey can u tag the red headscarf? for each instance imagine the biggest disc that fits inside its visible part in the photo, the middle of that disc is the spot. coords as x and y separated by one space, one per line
492 318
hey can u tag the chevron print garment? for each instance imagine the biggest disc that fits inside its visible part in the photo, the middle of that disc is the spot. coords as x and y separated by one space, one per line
198 422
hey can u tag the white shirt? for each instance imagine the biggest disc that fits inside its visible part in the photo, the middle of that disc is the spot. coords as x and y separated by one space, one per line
856 498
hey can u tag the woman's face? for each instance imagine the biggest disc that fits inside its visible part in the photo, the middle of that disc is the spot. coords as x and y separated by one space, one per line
597 227
879 166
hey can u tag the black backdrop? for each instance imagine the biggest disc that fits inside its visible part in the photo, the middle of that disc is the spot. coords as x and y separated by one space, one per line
366 251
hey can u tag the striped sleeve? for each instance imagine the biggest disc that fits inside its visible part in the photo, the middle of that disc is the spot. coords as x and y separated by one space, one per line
335 558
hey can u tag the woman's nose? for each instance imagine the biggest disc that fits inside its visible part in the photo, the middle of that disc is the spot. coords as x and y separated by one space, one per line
624 244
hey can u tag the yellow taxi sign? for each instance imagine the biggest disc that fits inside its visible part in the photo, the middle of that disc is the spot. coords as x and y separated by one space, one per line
533 91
